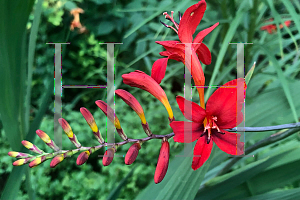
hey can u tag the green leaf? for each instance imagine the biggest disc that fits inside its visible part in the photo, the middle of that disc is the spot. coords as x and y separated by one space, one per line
181 181
232 30
105 27
70 5
249 74
285 194
14 16
283 82
115 193
220 185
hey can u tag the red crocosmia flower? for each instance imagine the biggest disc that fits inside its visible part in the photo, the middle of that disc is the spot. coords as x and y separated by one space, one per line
223 111
271 28
143 81
176 50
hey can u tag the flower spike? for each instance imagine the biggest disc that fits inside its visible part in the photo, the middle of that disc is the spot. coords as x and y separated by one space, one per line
32 147
68 130
47 140
91 122
109 112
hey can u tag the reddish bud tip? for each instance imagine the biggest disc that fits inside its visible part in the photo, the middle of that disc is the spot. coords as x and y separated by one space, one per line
83 157
162 162
132 153
108 156
56 160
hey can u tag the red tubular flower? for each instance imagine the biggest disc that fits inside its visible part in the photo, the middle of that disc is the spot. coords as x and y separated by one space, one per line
176 49
130 100
143 81
132 153
109 112
162 162
223 111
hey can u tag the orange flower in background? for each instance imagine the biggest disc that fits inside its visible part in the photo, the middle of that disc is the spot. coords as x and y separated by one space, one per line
271 28
76 21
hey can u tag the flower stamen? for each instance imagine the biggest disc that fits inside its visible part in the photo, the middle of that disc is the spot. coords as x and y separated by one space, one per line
168 17
169 27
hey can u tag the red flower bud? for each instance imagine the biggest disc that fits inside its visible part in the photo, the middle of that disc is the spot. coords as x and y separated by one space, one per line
162 162
108 156
83 157
132 153
56 160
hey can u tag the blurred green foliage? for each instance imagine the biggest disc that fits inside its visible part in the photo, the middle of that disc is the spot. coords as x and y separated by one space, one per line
135 23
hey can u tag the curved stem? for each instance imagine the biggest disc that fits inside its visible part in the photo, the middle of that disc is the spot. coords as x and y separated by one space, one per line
270 139
264 128
264 142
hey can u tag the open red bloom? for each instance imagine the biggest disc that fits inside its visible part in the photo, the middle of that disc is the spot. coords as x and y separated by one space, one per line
271 28
176 49
223 111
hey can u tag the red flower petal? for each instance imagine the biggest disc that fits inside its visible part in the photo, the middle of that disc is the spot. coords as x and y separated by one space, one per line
190 20
186 132
202 152
225 105
130 100
159 69
143 81
204 54
162 162
229 142
194 112
200 36
109 112
174 48
173 56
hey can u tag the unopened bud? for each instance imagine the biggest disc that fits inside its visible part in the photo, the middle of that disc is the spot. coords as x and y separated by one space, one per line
15 154
37 161
31 147
83 157
22 161
132 153
162 162
56 160
108 156
47 140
